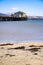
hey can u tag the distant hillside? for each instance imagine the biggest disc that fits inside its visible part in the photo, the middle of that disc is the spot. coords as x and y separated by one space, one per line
2 14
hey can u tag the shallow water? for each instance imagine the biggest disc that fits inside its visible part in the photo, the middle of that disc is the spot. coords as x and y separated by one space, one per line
21 31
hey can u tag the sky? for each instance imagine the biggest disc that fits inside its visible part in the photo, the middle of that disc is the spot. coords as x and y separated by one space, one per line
30 7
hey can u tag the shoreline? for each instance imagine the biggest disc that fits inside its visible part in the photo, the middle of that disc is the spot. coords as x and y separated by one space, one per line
21 53
21 43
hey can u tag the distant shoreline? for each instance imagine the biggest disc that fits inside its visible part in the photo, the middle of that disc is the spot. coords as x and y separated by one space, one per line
7 18
18 16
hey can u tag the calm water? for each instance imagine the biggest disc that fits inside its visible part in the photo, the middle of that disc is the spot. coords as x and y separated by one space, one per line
21 31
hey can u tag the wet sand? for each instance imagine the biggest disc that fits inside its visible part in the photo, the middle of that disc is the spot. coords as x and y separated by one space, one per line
21 53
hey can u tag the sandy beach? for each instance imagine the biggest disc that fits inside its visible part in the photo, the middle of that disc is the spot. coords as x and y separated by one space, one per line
21 53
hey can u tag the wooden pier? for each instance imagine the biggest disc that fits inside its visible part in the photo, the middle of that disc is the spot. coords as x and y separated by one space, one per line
10 18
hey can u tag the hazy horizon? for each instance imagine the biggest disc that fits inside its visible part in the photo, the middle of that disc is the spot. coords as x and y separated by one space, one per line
30 7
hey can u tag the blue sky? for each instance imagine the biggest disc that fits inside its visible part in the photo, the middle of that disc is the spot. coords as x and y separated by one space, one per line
30 7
